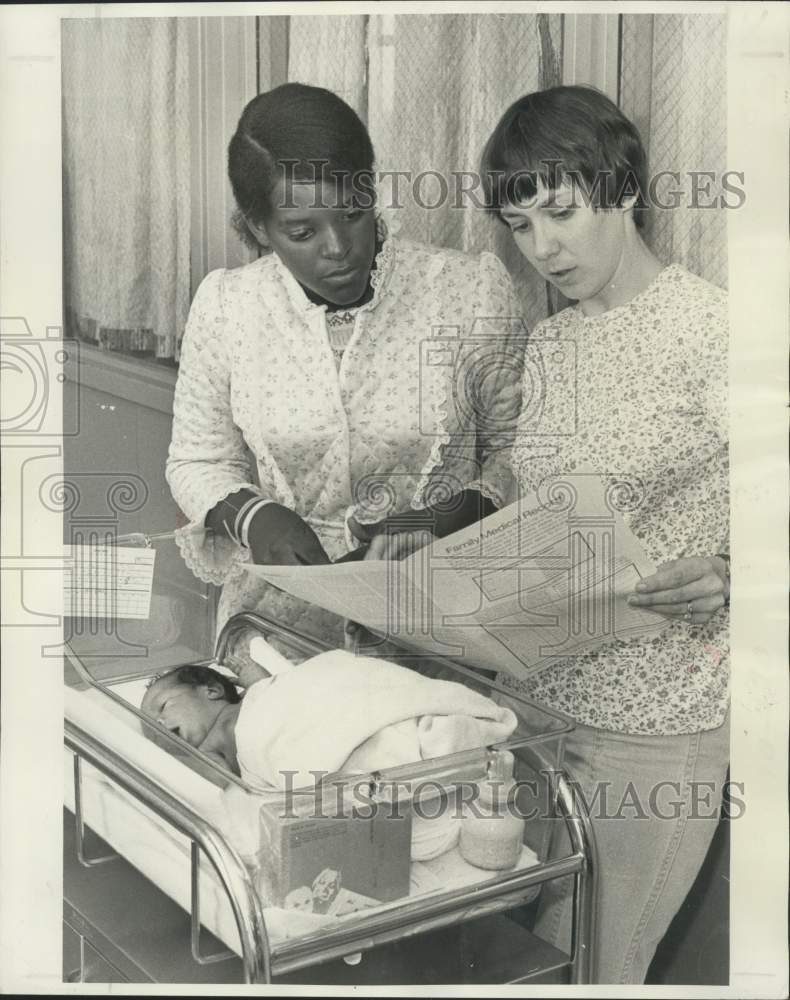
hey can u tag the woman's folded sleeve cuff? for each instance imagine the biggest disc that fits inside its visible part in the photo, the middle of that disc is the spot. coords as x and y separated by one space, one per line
210 555
496 485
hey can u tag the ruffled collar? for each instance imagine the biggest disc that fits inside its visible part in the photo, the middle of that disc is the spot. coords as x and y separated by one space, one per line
379 275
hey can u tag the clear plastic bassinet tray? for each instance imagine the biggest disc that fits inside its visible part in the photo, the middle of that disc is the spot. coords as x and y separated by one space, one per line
353 845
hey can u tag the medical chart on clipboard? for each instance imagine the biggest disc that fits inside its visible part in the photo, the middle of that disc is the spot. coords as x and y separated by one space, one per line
108 581
544 578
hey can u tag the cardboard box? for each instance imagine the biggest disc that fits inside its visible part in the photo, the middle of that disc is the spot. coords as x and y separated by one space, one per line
334 863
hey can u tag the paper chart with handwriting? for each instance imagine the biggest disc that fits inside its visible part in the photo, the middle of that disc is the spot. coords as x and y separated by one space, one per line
105 581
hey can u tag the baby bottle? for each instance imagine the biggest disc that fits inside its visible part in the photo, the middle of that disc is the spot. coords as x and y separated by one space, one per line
492 832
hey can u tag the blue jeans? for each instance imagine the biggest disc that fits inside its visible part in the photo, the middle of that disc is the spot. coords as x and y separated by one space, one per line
654 803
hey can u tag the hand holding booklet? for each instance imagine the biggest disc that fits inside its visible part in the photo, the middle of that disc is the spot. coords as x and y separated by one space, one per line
544 578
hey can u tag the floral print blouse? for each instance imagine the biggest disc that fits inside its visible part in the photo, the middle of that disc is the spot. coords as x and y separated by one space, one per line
262 403
650 408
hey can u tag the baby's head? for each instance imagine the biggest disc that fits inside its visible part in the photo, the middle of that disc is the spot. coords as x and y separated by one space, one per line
188 700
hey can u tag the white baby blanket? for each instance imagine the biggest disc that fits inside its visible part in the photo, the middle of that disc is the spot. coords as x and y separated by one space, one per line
339 711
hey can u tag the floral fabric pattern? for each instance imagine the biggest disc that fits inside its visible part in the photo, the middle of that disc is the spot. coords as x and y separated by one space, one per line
651 410
261 403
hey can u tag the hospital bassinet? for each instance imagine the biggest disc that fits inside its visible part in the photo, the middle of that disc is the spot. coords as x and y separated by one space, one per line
167 814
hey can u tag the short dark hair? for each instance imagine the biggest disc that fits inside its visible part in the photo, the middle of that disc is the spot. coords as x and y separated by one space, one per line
575 134
197 675
296 131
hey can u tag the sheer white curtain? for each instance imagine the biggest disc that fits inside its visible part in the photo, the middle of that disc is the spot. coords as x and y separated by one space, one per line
673 85
329 51
126 173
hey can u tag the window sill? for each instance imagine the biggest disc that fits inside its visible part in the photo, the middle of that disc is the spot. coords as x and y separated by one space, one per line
139 381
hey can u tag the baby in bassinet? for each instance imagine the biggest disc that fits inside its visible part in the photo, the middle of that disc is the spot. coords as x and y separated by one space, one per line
201 706
334 712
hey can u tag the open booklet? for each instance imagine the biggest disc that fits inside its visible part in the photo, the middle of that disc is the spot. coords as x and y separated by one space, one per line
544 578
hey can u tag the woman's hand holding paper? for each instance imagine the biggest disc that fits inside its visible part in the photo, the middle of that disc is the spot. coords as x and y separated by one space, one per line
692 588
279 537
398 545
395 537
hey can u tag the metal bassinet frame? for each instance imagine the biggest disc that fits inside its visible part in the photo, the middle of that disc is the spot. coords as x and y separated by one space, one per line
261 961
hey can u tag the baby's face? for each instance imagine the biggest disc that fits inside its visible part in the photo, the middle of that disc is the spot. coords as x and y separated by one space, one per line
187 711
